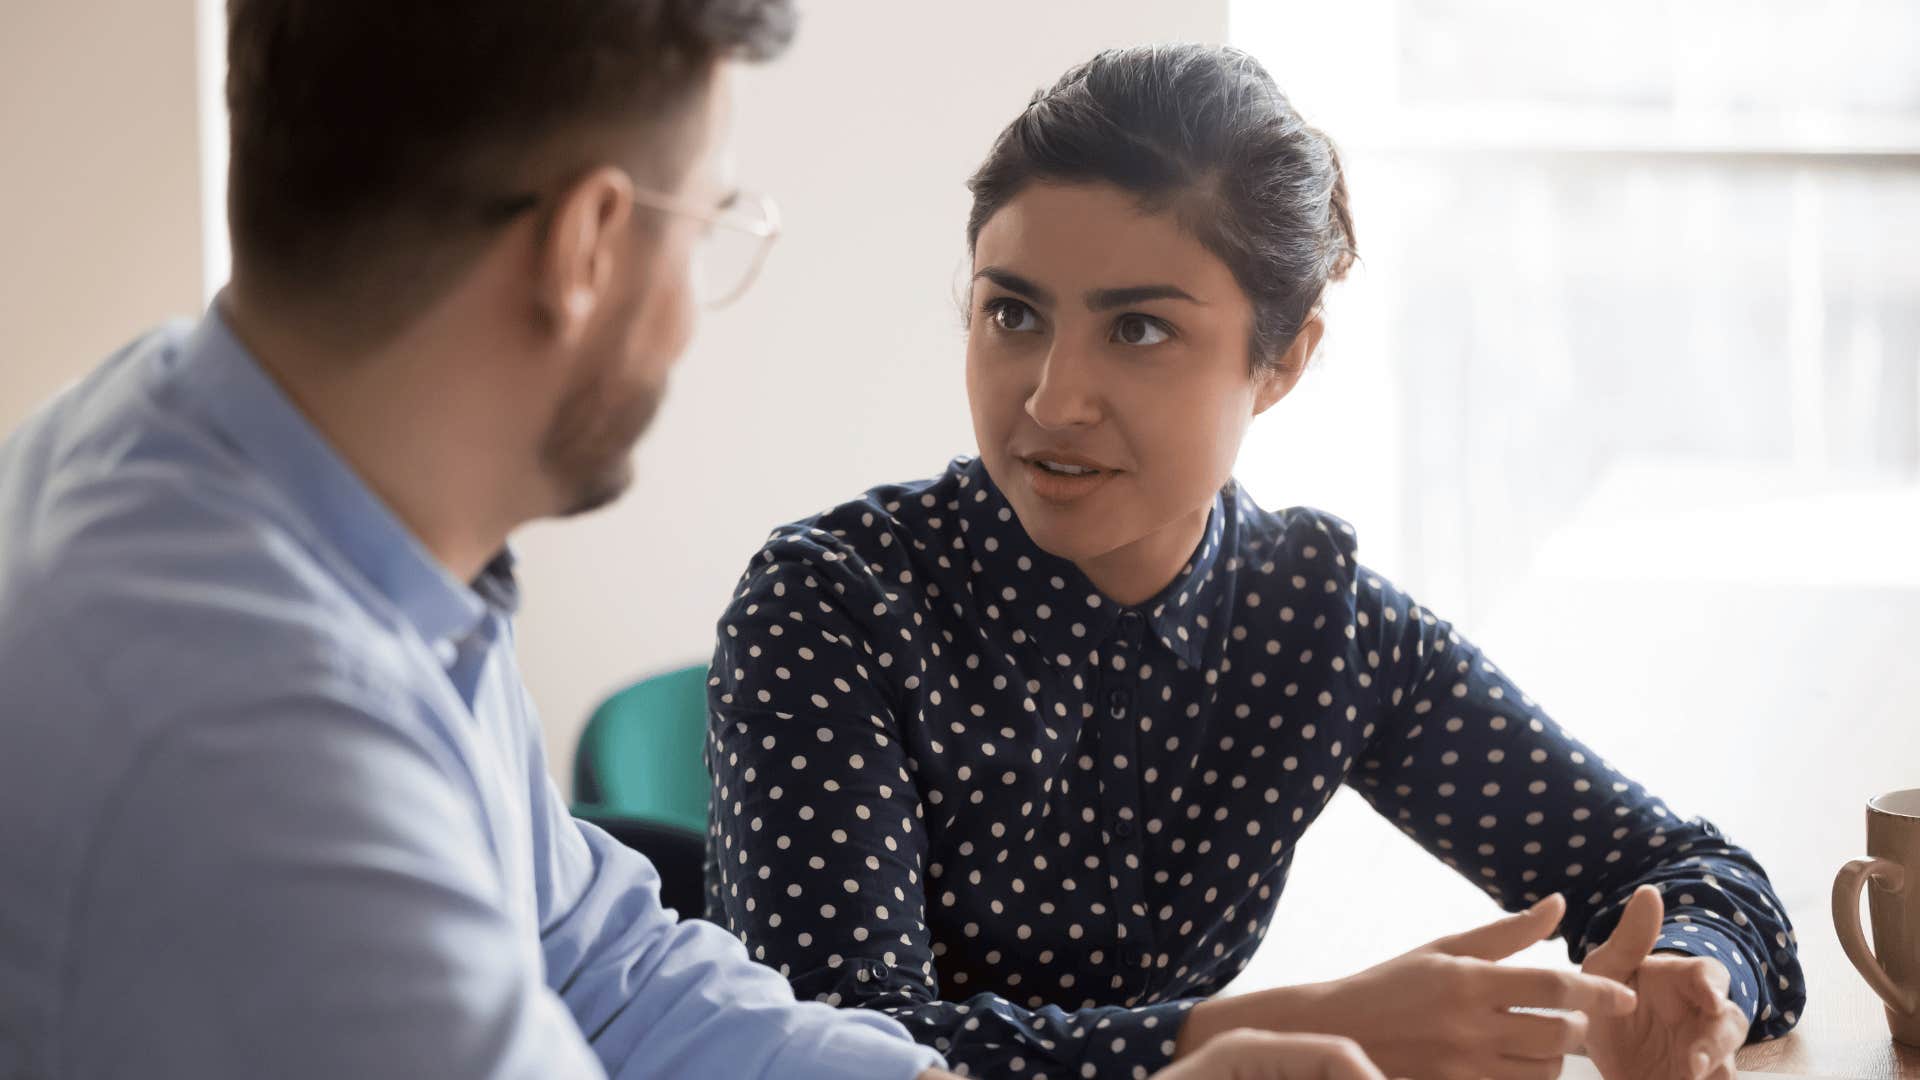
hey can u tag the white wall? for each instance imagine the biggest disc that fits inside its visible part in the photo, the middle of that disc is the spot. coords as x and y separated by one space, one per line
842 369
99 184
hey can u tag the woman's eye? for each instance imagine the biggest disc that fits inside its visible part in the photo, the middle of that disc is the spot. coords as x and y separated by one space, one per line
1012 316
1140 330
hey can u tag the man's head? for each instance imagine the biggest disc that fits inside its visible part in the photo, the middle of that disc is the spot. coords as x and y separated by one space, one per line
491 174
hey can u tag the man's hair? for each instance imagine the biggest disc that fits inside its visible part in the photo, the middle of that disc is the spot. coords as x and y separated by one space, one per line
370 136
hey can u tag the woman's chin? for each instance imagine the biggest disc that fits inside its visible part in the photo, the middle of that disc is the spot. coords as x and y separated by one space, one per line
1065 534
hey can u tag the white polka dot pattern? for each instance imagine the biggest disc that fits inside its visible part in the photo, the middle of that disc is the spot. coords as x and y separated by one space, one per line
954 782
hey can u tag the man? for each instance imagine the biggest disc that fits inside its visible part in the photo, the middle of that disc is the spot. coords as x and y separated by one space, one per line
272 796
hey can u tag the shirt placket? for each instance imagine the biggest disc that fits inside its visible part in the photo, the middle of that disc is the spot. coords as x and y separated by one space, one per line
1120 802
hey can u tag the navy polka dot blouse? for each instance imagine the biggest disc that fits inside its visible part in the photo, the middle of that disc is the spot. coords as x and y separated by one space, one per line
953 782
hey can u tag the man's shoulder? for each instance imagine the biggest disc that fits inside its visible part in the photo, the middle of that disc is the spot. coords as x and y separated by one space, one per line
165 572
153 592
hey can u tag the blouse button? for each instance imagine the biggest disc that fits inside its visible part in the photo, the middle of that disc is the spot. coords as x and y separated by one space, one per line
1123 828
1117 704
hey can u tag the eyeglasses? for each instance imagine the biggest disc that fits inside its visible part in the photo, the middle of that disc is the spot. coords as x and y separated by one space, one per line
732 247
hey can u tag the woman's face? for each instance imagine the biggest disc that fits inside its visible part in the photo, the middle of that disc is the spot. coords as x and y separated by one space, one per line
1108 373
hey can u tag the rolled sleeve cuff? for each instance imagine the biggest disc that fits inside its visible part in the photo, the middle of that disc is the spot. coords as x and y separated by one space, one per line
1141 1038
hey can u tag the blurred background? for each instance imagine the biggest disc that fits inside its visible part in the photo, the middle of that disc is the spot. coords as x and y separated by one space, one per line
1627 383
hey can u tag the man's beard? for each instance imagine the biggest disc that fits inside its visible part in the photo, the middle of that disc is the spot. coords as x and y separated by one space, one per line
588 448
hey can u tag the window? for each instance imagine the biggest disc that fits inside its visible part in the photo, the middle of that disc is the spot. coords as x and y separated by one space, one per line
1633 355
1620 261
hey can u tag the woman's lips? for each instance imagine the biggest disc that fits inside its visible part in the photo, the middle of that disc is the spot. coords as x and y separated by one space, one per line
1063 478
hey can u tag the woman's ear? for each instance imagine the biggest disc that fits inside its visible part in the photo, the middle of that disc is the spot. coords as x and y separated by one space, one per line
1276 380
580 248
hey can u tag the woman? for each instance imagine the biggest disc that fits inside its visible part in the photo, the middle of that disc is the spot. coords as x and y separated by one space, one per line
1020 754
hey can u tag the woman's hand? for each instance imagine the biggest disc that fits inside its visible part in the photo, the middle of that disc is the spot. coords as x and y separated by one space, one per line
1260 1055
1684 1027
1246 1054
1443 1010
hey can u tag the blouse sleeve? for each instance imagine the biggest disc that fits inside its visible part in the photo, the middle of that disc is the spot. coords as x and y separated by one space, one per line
818 849
1475 771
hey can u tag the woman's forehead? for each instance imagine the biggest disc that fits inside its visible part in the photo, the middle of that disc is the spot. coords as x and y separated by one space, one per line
1086 236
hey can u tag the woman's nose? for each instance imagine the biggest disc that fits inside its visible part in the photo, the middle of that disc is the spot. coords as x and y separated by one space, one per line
1066 395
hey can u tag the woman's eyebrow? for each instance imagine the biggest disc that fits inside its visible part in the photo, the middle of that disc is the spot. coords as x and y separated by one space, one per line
1015 284
1108 299
1096 299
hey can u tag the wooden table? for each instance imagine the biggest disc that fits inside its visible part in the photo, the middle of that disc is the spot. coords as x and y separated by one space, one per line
1774 710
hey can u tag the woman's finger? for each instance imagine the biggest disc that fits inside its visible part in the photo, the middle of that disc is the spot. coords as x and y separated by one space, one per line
1248 1054
1710 983
1502 938
1639 928
1718 1047
1734 1022
1513 1068
1540 988
1540 1036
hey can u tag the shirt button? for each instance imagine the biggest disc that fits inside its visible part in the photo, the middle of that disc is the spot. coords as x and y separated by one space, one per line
1117 704
1123 828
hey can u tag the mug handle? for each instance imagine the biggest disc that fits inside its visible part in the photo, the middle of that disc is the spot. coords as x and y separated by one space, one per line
1847 886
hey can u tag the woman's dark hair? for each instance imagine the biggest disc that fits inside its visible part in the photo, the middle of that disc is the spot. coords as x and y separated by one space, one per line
1201 130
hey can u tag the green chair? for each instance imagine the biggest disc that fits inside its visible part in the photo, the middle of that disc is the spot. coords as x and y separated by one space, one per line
640 773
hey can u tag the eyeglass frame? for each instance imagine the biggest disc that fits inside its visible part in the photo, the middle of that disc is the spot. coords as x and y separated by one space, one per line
766 227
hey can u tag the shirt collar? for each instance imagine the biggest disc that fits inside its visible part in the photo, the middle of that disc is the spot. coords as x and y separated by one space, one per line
1182 616
218 377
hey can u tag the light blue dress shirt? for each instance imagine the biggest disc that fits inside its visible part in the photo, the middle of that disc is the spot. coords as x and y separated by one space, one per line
272 794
